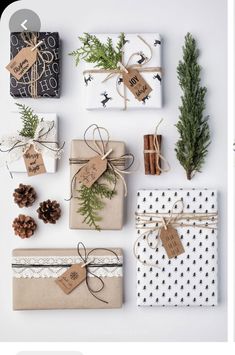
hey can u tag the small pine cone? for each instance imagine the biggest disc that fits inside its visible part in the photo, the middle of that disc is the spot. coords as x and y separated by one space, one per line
24 226
24 195
49 211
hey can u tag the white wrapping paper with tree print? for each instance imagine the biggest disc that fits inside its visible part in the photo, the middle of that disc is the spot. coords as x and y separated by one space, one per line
104 95
189 279
14 159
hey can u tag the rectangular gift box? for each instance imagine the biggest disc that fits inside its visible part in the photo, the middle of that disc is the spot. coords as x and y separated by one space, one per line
112 212
18 166
104 95
48 66
35 272
189 279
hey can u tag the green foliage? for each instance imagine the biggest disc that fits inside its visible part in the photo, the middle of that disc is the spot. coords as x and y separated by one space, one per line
104 55
30 121
91 199
191 148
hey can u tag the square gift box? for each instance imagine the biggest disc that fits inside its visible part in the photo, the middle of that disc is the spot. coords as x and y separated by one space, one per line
107 94
47 65
15 162
35 272
112 212
189 279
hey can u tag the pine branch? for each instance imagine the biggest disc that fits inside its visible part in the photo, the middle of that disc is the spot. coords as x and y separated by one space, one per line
192 146
30 121
104 55
91 199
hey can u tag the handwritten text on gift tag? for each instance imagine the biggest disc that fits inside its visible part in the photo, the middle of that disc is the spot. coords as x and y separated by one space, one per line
34 162
22 62
171 242
91 172
136 84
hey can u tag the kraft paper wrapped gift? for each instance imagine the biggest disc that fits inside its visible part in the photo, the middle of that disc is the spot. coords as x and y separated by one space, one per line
35 272
189 279
112 212
48 65
14 158
102 94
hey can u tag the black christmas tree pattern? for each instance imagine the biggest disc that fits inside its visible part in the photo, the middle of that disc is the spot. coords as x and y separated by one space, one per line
191 278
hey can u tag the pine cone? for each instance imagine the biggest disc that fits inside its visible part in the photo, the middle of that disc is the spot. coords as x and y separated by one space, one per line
24 195
24 226
49 211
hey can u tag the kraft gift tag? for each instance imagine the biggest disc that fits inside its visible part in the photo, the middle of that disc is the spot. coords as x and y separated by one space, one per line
22 62
71 278
34 162
171 242
136 84
92 171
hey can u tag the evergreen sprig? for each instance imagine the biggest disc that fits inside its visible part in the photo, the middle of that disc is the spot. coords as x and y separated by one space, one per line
91 199
30 121
192 146
104 55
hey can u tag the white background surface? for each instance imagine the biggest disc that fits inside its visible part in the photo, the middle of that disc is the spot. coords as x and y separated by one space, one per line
206 19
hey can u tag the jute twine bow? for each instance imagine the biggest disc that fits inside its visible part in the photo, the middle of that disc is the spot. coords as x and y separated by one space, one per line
25 143
157 151
101 149
84 256
152 223
124 69
31 40
88 264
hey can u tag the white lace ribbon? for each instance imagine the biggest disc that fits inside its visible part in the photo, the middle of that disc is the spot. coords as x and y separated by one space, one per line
44 142
60 265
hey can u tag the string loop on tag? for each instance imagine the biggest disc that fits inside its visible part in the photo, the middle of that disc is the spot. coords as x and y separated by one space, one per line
125 69
86 263
150 223
100 148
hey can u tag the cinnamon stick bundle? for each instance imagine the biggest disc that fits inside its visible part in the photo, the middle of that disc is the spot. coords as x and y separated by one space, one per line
152 161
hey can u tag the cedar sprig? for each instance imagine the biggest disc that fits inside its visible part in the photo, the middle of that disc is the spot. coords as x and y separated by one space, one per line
30 121
91 199
192 146
103 55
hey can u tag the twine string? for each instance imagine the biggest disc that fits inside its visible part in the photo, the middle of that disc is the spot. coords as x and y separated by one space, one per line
157 151
86 263
31 41
44 143
100 148
152 223
119 72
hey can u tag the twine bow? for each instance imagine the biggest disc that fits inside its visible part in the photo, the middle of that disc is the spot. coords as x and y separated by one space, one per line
31 40
87 264
101 149
152 223
18 145
157 151
125 68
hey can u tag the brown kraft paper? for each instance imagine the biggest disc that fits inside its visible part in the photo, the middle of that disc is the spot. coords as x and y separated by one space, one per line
112 213
44 293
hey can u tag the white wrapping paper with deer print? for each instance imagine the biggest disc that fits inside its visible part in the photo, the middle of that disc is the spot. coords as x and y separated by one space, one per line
189 279
14 159
108 94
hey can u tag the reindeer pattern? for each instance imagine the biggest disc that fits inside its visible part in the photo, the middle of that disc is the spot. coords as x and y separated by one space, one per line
106 98
87 79
109 92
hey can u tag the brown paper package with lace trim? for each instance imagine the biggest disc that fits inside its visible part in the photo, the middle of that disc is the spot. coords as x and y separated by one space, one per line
34 288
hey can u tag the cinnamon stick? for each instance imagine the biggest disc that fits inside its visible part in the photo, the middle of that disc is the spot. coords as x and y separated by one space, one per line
146 155
158 171
150 156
